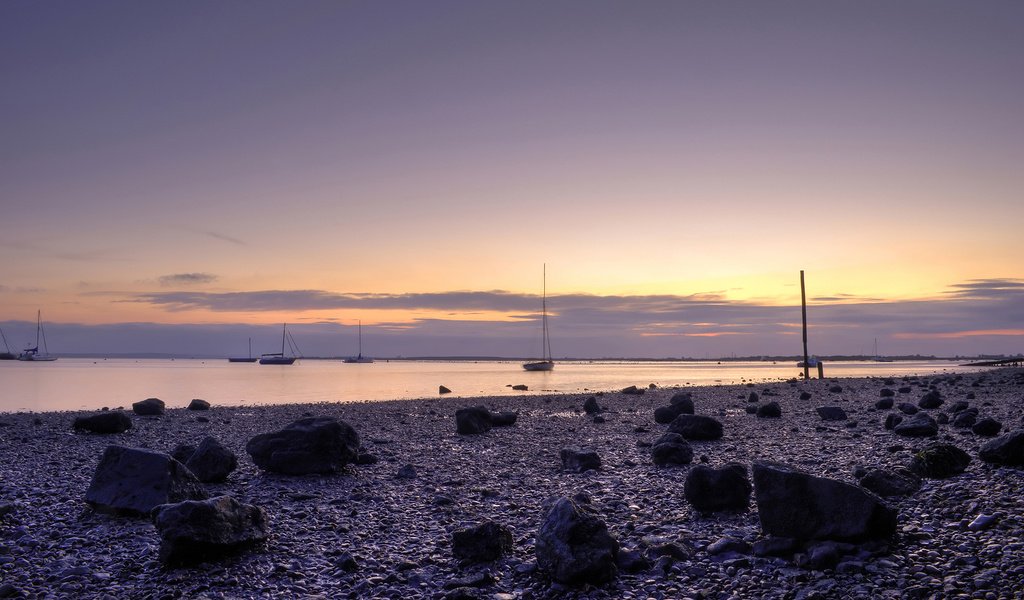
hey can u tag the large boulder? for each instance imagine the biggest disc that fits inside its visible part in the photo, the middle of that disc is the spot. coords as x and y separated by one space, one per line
133 481
794 504
900 482
696 427
150 407
966 418
671 450
919 425
198 531
578 461
710 490
939 461
482 543
211 462
590 406
1007 449
473 420
769 410
310 445
114 421
573 545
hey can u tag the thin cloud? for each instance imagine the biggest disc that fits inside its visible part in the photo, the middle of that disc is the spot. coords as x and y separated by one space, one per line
187 279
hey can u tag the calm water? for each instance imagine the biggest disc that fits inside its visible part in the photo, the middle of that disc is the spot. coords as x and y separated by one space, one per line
75 384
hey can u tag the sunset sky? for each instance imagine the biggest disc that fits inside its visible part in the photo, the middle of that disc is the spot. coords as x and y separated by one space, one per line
178 176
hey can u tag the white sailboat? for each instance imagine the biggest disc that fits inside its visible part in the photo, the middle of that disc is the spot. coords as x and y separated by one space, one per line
33 354
278 358
546 364
359 358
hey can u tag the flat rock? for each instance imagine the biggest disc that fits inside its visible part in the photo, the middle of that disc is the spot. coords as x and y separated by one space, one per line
794 504
150 407
114 421
473 420
199 531
696 427
133 481
309 445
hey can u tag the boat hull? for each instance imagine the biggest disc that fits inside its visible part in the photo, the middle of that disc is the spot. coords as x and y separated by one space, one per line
277 360
544 365
243 359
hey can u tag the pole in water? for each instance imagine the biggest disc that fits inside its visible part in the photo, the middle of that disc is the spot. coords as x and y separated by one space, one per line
803 307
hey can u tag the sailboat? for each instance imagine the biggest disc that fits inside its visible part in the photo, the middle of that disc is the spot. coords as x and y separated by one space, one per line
278 358
8 355
32 354
359 358
880 358
245 359
546 364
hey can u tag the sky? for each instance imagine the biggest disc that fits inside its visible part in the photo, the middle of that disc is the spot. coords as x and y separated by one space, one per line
179 176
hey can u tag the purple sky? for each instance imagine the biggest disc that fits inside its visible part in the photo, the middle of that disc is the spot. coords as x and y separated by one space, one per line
210 168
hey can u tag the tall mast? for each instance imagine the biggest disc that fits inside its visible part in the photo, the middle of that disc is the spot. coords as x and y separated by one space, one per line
544 311
284 331
39 325
360 338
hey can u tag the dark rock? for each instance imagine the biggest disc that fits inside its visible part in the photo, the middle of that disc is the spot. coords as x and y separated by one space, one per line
774 546
406 472
483 543
599 419
771 410
884 403
211 462
932 399
823 556
114 421
670 450
939 461
942 418
831 413
443 390
198 404
1007 449
907 408
473 420
198 531
520 387
797 505
750 409
711 490
886 393
633 390
578 461
753 397
590 406
574 546
836 389
132 481
149 407
892 420
965 419
905 389
667 414
900 482
728 545
805 395
183 452
632 561
504 418
987 427
958 406
696 427
682 398
919 425
309 445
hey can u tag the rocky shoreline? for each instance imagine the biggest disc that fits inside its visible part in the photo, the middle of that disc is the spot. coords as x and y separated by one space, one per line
384 530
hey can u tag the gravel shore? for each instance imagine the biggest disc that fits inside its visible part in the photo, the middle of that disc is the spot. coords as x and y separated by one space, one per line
369 533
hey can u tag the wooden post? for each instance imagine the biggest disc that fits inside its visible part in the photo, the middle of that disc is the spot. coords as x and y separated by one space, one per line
821 370
803 307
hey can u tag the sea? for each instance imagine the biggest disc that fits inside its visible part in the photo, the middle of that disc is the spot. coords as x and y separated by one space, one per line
70 384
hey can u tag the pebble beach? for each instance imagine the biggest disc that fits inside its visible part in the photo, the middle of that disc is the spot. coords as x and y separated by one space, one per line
384 530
